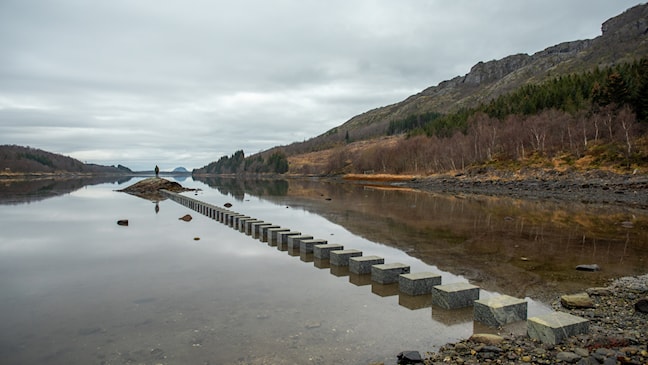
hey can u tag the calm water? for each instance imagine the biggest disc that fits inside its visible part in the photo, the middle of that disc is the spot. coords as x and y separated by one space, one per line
76 288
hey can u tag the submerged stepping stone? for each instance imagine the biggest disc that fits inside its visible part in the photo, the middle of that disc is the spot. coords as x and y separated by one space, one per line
362 264
272 234
500 310
453 296
323 252
295 241
388 273
418 283
341 257
306 246
553 328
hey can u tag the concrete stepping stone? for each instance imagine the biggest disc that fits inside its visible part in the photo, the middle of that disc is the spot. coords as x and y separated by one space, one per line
453 296
362 264
500 310
418 283
341 257
306 246
388 273
324 251
555 327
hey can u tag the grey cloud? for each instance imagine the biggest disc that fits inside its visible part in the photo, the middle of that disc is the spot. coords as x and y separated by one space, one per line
188 81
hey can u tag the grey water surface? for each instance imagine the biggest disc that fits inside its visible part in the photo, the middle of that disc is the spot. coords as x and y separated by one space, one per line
76 288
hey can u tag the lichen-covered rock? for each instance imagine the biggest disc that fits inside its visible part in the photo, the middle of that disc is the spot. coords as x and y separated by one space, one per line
150 188
579 300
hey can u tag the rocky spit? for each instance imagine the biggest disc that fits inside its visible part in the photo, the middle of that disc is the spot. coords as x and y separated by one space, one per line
618 334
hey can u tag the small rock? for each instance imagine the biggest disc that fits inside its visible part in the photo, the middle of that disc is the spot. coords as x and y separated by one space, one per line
590 267
186 218
580 300
487 338
409 357
641 306
567 356
196 238
313 324
599 291
122 222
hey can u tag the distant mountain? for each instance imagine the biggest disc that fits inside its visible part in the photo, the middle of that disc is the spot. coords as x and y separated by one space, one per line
624 38
19 159
180 170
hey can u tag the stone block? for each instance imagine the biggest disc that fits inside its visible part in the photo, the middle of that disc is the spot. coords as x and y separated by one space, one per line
453 296
418 283
249 226
256 228
295 241
272 234
553 328
264 232
282 237
388 273
341 257
362 264
324 251
500 310
306 246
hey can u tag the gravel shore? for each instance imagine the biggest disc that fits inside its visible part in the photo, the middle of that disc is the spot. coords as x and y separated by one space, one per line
590 187
618 334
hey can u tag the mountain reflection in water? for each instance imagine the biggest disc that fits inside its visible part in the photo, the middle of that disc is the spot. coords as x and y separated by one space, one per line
517 247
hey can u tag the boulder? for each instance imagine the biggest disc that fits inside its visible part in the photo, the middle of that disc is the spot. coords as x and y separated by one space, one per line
579 300
150 188
409 357
487 338
641 306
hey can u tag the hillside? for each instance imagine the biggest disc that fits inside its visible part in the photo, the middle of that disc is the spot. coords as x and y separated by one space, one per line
27 160
623 39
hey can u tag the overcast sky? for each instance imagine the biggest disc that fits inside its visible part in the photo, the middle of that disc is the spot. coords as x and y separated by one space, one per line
184 82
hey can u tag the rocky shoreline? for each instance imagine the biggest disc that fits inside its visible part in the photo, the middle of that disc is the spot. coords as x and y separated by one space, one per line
618 334
589 187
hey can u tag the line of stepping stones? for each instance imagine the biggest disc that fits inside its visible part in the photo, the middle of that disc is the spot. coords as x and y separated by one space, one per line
496 311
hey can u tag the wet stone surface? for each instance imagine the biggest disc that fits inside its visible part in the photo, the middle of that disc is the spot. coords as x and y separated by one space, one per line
618 334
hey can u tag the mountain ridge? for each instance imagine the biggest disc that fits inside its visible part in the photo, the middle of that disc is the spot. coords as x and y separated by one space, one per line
623 39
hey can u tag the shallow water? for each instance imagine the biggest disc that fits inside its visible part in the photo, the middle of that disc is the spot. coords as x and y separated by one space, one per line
76 288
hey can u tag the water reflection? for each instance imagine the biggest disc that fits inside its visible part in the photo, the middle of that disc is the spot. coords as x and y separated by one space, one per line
237 188
521 248
77 288
21 191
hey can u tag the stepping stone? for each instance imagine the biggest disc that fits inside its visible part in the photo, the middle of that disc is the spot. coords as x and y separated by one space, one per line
272 234
553 328
362 264
295 241
388 273
264 232
249 226
500 310
418 283
453 296
282 237
306 246
256 228
341 257
324 251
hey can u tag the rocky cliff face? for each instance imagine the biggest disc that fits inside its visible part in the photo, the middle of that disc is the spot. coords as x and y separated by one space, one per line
624 38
